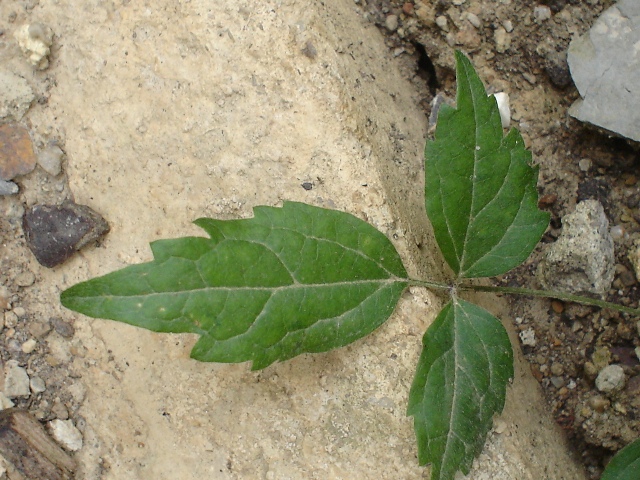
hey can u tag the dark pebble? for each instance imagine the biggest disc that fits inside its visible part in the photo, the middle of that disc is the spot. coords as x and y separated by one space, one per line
307 185
63 328
309 50
55 232
558 70
627 278
626 356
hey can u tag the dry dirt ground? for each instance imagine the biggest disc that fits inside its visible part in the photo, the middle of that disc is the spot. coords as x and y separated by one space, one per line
173 111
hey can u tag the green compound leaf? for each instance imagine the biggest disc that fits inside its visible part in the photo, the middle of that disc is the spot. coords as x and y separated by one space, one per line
460 383
288 281
480 190
625 465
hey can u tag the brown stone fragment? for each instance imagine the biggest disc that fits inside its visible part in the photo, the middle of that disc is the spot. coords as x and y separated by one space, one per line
25 444
16 151
557 306
547 200
407 8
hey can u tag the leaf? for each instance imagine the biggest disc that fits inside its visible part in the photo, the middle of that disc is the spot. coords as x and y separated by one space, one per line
289 280
625 465
460 382
480 190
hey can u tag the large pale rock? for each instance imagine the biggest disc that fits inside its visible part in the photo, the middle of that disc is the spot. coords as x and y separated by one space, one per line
582 260
605 67
202 108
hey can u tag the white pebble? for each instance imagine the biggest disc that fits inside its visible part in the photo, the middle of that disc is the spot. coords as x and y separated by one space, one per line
441 21
610 379
29 346
501 39
528 337
474 20
66 434
502 99
34 41
391 23
508 26
617 232
541 13
584 164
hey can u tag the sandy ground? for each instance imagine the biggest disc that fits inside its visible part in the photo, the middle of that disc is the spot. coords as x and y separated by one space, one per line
175 110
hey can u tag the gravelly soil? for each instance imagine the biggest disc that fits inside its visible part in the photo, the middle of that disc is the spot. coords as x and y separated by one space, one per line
517 50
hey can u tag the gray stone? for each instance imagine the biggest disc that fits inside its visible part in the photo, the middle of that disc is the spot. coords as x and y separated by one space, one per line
391 23
16 380
606 71
582 260
634 258
8 188
15 97
50 159
611 379
37 385
5 403
541 13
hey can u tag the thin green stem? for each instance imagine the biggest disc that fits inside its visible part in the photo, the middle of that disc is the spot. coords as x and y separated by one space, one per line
551 294
428 284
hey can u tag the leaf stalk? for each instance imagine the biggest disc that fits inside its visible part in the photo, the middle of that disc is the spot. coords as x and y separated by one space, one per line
551 294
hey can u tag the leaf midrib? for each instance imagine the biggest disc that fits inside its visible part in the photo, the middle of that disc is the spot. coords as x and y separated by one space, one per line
295 285
475 166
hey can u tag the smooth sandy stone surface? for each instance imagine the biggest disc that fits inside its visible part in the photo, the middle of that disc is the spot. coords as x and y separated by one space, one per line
605 66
